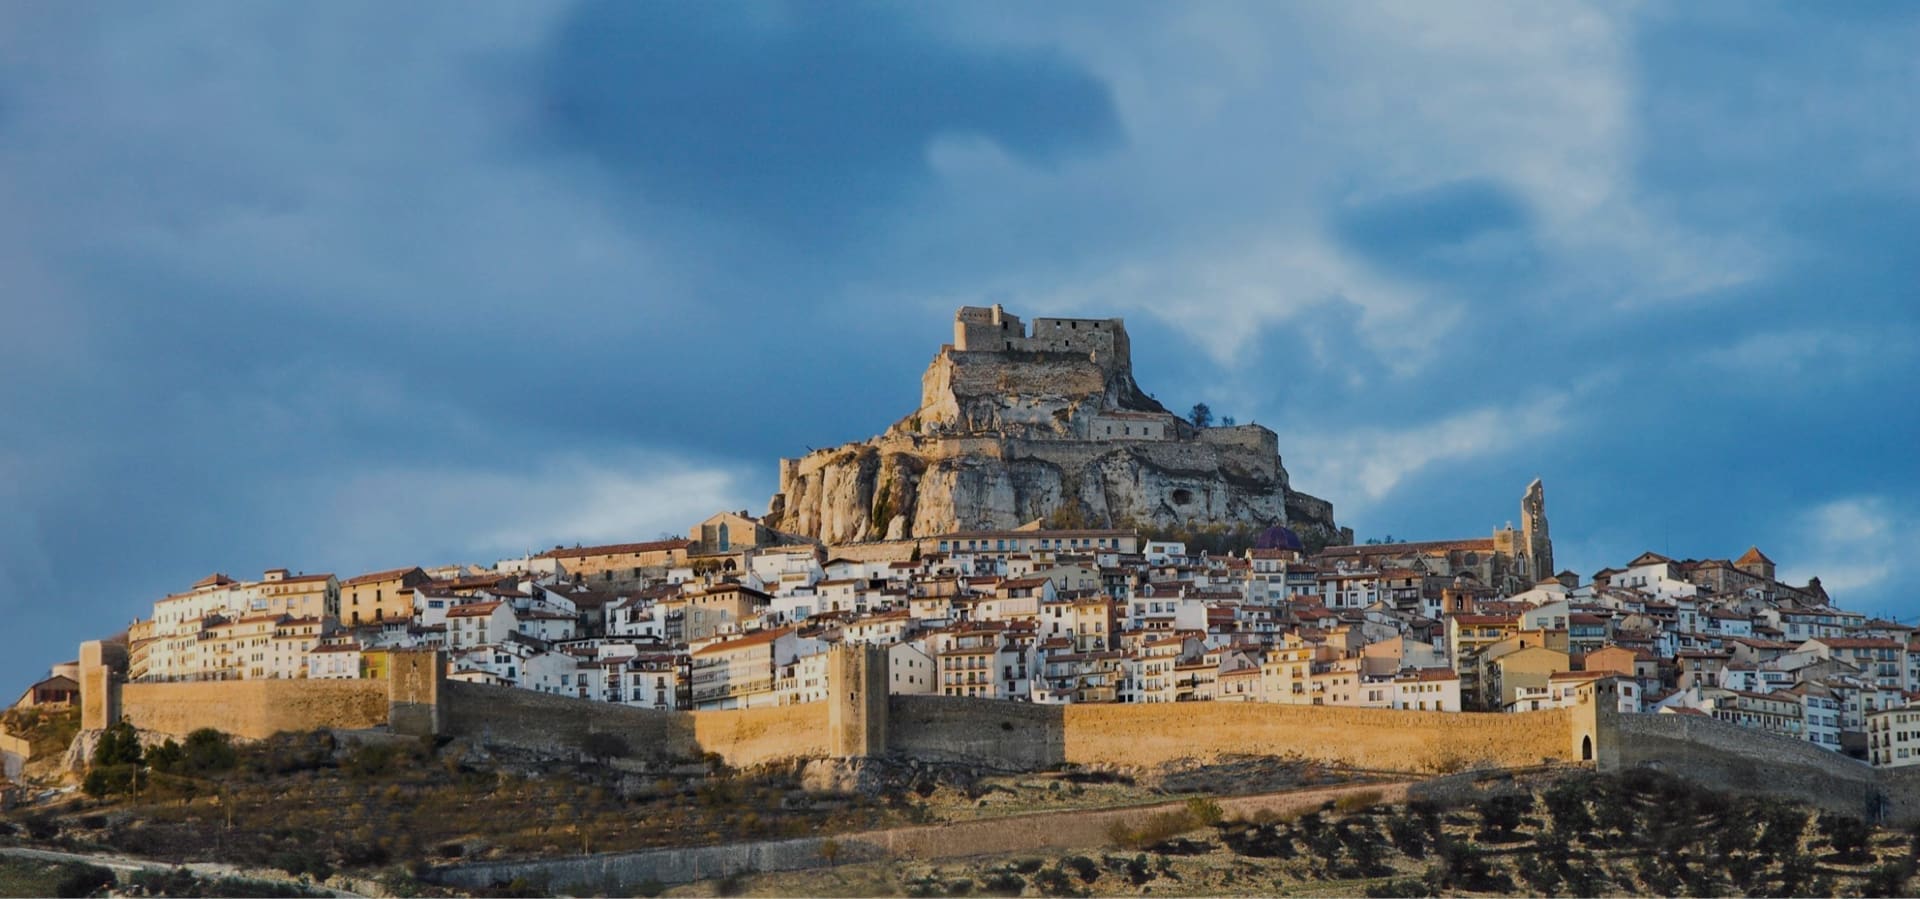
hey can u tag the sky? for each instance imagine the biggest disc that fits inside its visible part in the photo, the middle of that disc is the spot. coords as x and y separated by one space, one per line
351 286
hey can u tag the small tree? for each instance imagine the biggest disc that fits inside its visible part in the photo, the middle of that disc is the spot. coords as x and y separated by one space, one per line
208 750
1200 415
116 762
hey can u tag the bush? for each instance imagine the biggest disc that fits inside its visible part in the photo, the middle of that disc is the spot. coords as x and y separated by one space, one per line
1567 803
119 745
1500 815
1393 889
1353 803
1003 883
83 879
208 751
1889 879
1083 866
1204 812
1054 882
1848 836
1154 830
1408 835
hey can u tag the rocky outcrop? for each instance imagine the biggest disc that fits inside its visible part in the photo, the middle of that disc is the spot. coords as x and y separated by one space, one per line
1053 427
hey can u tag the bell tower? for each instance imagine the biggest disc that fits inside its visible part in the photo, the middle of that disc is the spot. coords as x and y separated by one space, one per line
1533 533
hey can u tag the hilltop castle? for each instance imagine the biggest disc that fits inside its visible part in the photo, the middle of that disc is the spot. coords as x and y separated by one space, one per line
1018 423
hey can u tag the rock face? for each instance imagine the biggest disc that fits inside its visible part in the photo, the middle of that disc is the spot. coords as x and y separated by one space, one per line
1014 426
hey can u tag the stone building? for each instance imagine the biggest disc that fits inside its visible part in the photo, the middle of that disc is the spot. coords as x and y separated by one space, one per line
1511 561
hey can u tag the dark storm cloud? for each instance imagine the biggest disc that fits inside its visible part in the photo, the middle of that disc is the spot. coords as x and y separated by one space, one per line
807 116
353 286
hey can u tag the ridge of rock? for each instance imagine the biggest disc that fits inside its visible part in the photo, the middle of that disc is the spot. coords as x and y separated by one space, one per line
1017 425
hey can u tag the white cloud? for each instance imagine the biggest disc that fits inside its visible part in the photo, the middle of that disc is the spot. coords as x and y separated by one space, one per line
1247 125
1777 355
387 516
1854 545
1363 466
1224 299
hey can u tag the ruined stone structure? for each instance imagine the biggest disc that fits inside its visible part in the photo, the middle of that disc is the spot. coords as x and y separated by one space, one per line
1017 424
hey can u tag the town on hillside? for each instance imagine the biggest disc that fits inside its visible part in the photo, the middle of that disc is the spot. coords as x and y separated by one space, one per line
740 615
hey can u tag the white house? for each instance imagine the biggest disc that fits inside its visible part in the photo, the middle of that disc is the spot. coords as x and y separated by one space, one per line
334 661
479 624
911 670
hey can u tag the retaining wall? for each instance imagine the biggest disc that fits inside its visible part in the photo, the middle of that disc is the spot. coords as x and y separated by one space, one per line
621 873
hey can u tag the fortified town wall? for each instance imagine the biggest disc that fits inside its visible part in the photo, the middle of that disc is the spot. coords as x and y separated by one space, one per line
861 720
254 709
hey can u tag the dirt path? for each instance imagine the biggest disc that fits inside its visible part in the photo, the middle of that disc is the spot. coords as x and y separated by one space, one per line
127 865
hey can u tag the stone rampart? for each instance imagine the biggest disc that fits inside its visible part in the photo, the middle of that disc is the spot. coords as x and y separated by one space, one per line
1724 756
989 732
1020 736
1379 739
560 725
254 709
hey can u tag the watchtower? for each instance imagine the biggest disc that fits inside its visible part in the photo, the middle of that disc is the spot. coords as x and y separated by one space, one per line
857 701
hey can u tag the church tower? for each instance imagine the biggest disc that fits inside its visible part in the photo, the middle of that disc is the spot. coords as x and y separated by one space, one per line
1533 533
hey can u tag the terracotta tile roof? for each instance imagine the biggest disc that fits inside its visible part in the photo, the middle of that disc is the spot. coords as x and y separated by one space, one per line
1858 643
299 579
756 638
473 609
389 575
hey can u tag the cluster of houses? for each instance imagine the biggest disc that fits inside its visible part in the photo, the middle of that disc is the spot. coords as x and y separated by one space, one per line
737 615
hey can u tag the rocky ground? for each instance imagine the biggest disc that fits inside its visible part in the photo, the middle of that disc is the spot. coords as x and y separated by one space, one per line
1578 834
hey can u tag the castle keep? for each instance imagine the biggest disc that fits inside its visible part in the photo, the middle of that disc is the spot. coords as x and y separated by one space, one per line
1020 422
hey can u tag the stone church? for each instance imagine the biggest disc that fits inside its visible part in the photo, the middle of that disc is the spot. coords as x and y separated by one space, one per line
1511 561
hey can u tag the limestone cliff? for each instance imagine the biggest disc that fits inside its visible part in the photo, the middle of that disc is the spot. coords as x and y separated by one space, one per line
1015 426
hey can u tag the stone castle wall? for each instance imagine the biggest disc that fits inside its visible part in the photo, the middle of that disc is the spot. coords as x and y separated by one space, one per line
1016 736
1022 736
1382 739
254 709
1724 756
560 725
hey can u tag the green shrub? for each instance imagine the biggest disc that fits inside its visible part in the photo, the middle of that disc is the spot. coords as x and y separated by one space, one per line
1500 815
1204 812
1054 882
1848 836
1889 879
83 880
1362 801
1003 883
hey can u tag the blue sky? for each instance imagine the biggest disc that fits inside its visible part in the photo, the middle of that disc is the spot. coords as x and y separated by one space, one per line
348 286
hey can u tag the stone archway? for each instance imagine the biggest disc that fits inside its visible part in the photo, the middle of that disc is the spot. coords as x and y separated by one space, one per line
1586 748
